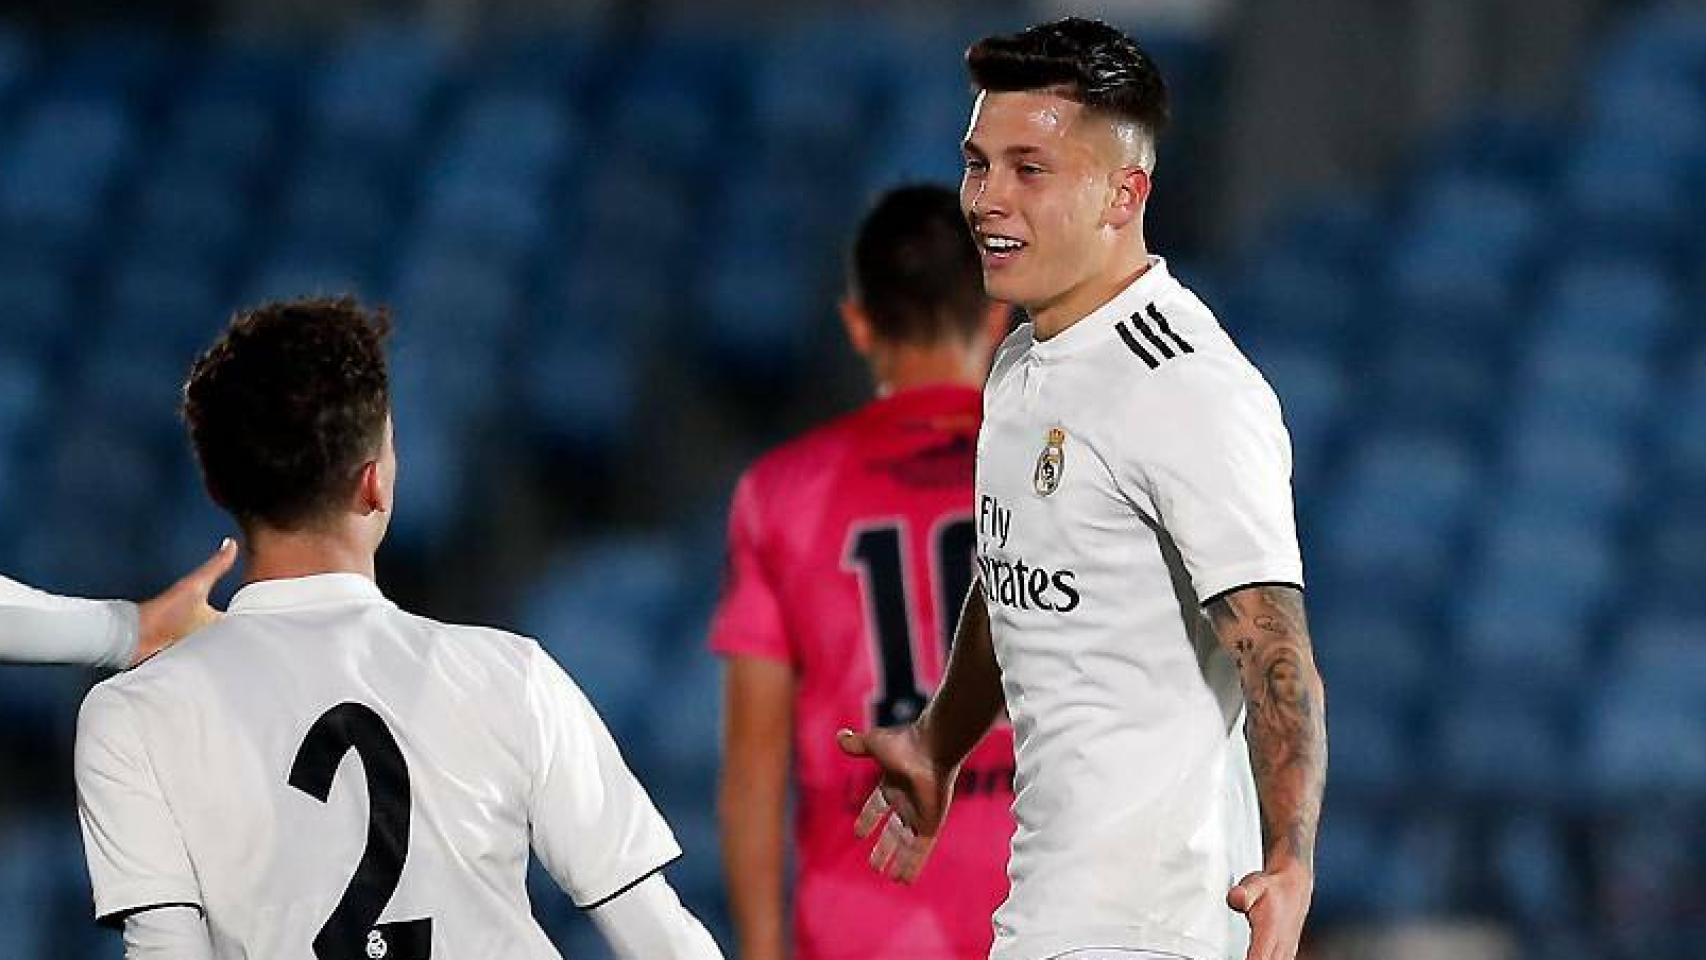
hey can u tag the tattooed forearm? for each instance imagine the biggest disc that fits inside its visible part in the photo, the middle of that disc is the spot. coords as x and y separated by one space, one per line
1265 629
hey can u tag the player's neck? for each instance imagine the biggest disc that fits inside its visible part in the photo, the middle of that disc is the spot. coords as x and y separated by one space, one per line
276 555
903 367
1051 319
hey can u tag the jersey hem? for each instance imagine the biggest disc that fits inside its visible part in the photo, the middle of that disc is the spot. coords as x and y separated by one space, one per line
1143 938
115 918
1254 583
642 878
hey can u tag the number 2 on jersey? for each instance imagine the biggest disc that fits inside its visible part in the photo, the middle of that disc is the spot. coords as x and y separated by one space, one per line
353 931
879 554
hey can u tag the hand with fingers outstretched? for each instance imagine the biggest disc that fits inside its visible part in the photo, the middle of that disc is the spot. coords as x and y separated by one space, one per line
182 608
1275 901
909 803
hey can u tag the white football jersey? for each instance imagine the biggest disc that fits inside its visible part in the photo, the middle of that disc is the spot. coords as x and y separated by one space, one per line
1129 469
327 776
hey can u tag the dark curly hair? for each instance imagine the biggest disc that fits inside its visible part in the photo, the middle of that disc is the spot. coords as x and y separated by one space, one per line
915 268
287 405
1086 61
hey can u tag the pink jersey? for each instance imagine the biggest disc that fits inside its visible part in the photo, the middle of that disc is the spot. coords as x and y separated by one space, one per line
850 551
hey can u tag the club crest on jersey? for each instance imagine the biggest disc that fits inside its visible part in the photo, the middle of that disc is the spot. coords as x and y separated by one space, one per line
1051 464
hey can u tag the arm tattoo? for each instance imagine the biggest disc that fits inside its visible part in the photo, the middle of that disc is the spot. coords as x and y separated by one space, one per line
1265 630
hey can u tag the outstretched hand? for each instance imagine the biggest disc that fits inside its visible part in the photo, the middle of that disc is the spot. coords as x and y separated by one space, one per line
909 803
1276 902
182 608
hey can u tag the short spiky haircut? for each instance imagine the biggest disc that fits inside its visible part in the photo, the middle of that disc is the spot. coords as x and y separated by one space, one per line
1086 61
915 268
286 406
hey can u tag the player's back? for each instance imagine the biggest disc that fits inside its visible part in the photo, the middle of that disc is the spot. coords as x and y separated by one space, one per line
341 771
851 554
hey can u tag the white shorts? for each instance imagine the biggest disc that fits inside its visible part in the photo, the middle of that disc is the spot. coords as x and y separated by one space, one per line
1106 953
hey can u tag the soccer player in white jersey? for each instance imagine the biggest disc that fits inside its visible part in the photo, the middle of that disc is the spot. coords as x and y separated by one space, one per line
1140 603
40 627
321 774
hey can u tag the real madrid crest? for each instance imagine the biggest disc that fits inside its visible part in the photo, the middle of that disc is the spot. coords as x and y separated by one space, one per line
1051 464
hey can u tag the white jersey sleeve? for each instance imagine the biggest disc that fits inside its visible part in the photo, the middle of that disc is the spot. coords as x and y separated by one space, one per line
649 923
594 827
137 859
1211 462
168 933
39 627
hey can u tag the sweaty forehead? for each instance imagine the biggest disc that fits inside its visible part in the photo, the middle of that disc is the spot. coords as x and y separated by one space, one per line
1001 120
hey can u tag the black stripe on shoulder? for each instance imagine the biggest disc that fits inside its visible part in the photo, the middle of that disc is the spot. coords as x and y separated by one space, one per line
1150 335
116 919
1248 586
642 878
1161 321
1135 347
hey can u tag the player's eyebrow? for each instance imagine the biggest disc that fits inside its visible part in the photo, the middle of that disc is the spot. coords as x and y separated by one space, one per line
1020 150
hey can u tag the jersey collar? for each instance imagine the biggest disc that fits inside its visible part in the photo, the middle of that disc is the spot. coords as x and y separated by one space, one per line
1100 321
310 591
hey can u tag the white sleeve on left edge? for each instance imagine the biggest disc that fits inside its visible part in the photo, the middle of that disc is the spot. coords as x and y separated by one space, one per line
1213 458
649 923
137 859
40 627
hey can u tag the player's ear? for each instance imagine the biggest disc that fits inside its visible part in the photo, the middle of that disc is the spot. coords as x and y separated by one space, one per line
373 491
1129 196
857 324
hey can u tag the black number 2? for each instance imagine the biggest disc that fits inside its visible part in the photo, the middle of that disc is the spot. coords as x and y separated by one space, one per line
353 931
879 553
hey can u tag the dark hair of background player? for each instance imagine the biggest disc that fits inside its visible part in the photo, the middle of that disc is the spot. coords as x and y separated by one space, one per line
286 406
1086 61
915 268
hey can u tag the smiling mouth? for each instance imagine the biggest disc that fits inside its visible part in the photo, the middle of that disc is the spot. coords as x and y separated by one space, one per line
997 247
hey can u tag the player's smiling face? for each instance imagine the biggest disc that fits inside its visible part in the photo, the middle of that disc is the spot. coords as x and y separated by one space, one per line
1035 191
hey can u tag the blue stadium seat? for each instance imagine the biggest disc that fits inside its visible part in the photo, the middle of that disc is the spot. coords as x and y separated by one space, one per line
1661 659
55 172
1534 870
581 387
1373 656
1312 393
1569 468
1394 527
1430 383
1672 560
1493 745
222 137
184 217
1373 759
1682 443
378 87
1639 747
17 57
758 324
1617 306
128 62
1297 300
636 209
1352 855
35 308
433 476
1621 193
1592 389
338 211
28 857
508 136
1486 219
681 739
